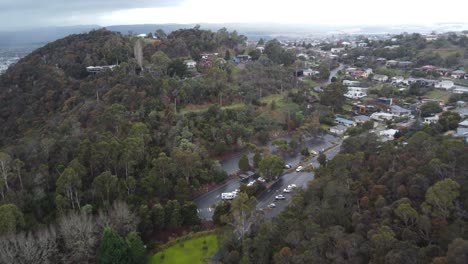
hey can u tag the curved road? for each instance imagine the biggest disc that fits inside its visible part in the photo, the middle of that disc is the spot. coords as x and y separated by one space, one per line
208 201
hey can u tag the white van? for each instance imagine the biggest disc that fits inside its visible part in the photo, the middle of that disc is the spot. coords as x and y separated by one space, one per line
228 196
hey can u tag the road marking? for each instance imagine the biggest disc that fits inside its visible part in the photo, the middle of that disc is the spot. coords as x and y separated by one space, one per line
198 211
217 196
209 209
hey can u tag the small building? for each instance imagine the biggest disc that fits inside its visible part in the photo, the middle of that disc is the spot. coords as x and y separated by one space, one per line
391 63
338 130
397 110
460 89
361 119
385 100
464 123
397 79
462 132
388 134
362 45
337 50
381 117
260 48
463 112
380 78
310 72
458 74
191 64
445 85
99 69
345 122
381 60
351 83
431 119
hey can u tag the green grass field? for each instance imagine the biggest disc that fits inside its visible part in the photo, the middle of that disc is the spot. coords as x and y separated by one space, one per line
188 251
438 94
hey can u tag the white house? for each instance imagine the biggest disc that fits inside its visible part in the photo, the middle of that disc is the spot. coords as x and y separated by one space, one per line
310 72
446 85
338 130
380 78
303 55
460 90
380 116
397 110
356 92
431 119
458 74
398 79
260 48
337 50
388 134
191 64
351 83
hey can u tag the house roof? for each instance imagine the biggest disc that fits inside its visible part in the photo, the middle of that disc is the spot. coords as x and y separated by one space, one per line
399 109
459 72
464 123
462 132
339 127
362 118
344 121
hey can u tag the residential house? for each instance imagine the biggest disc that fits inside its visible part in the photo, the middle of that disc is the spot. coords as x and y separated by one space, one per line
431 119
462 132
99 69
443 71
191 64
463 112
381 117
244 58
381 60
338 130
302 55
345 122
361 119
391 63
458 74
351 83
428 68
356 92
385 100
337 50
445 85
362 45
397 79
397 110
310 72
464 123
460 89
380 78
388 134
260 48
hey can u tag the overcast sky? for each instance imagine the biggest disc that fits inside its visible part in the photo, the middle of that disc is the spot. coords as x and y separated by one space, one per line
15 14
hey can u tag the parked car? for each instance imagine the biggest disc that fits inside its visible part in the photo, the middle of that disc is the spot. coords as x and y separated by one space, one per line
290 186
280 197
228 196
287 166
251 183
272 205
313 152
298 169
287 190
260 179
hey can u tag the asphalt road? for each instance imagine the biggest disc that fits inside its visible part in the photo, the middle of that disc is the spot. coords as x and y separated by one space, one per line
208 201
300 179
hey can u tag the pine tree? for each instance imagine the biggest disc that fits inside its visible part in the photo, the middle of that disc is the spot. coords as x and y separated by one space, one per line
136 249
113 249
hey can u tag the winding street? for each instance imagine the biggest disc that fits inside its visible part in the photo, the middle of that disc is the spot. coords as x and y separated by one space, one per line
207 202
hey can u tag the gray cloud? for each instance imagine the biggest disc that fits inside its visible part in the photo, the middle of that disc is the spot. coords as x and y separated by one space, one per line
37 13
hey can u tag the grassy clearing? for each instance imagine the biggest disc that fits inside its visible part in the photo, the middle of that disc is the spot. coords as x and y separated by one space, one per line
194 251
438 94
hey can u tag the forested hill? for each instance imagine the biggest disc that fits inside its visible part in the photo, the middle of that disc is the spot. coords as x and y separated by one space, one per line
76 146
48 81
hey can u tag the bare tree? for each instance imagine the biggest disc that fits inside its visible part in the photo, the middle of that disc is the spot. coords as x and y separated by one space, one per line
40 248
120 218
79 233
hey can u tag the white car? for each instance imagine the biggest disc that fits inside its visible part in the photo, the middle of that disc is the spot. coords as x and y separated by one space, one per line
287 166
280 197
260 179
313 152
298 169
287 190
272 205
250 183
290 186
228 196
